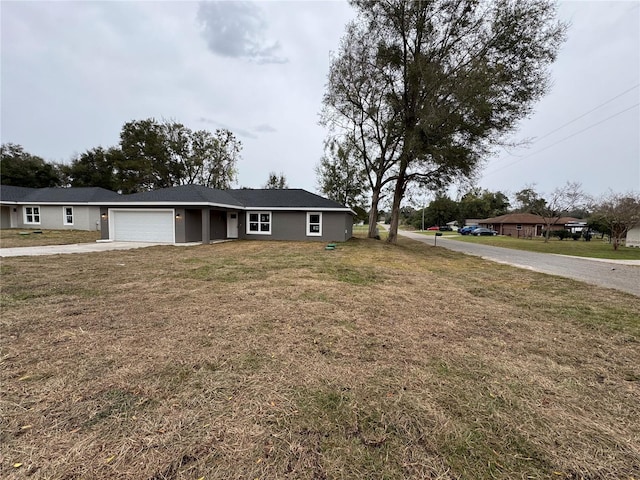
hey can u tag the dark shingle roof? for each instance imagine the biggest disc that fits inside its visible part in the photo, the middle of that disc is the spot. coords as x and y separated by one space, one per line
72 195
184 194
282 198
9 193
195 194
56 195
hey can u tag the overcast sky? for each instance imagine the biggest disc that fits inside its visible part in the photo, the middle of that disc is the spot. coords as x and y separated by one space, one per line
74 73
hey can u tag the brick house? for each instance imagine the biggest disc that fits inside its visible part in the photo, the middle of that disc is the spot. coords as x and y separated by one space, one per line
523 225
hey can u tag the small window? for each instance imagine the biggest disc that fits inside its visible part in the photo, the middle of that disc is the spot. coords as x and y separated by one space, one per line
314 224
68 215
518 227
32 215
259 223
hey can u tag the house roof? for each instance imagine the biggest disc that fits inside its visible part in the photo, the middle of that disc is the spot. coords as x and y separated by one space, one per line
181 195
9 193
56 195
524 218
283 198
196 194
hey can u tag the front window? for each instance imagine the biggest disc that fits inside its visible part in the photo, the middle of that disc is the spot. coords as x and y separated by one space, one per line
259 223
32 215
314 224
68 215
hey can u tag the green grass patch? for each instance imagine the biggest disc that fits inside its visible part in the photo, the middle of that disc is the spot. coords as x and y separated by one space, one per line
596 248
11 237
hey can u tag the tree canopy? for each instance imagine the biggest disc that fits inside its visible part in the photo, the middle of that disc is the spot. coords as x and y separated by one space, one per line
21 169
445 80
276 182
150 155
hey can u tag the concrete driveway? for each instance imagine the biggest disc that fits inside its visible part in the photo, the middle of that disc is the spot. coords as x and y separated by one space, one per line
623 275
73 248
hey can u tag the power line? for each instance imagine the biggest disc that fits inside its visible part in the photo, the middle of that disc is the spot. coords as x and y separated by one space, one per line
561 140
586 113
583 115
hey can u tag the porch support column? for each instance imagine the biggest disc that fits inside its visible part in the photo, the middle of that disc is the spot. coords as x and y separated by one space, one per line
206 225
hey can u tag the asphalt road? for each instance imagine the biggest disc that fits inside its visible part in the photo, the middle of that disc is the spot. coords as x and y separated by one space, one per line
623 276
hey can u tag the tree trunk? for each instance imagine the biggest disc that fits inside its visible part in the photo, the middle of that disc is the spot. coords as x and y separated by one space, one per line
373 213
395 209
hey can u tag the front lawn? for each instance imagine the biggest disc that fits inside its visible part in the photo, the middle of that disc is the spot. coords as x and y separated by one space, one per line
596 248
257 359
14 237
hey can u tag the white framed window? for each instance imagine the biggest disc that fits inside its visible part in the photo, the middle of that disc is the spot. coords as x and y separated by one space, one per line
258 223
32 215
314 224
67 215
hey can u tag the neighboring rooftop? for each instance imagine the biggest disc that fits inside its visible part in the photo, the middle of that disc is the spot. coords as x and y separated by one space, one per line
10 193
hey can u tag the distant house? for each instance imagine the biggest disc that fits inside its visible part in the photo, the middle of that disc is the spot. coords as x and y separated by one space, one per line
633 237
524 225
52 208
188 213
472 222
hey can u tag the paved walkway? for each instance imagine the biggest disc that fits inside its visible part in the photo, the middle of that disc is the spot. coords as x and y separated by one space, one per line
72 248
621 275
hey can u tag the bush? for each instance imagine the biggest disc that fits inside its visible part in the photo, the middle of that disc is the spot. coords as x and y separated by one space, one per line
576 235
561 234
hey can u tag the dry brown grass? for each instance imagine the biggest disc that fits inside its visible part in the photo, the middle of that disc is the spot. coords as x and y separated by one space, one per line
10 238
283 360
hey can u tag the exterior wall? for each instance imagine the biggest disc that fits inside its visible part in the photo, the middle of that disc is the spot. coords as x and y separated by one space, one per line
193 226
218 225
633 237
348 225
51 217
336 227
528 229
104 223
5 216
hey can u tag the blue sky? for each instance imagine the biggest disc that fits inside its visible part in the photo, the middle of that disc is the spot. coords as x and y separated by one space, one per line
74 72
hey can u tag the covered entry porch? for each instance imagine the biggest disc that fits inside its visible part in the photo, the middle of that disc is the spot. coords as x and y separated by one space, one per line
205 224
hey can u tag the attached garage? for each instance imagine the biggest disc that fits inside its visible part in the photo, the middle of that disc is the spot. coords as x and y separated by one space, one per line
142 225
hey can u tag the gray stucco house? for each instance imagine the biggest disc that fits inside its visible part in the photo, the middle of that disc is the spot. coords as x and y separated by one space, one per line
52 208
191 213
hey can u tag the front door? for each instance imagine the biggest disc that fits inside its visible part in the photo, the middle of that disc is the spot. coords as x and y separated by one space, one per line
232 225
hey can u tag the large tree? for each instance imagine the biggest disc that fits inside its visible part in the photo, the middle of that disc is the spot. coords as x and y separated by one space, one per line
158 154
22 169
479 203
455 77
93 168
340 176
359 117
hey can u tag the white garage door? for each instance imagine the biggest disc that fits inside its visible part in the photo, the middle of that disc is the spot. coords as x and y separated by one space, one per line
142 226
